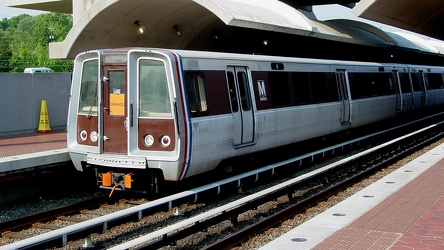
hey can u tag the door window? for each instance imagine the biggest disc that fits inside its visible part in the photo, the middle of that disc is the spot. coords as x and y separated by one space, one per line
233 92
116 91
243 91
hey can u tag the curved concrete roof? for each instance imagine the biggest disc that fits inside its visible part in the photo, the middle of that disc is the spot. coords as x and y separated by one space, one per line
110 23
211 25
423 17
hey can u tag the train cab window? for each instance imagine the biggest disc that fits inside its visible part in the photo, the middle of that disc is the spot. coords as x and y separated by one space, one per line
435 80
280 89
154 97
88 88
197 94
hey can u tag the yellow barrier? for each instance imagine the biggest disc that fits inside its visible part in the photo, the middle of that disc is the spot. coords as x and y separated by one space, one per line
44 120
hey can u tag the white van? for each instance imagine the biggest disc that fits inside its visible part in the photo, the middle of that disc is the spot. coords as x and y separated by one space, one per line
37 70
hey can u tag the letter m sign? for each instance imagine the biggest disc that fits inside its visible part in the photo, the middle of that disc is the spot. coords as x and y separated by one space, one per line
261 88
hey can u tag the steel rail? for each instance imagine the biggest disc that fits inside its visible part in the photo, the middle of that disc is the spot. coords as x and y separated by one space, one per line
28 220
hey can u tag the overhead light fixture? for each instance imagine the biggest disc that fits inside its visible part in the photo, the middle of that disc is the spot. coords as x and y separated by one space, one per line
265 42
177 30
215 34
140 28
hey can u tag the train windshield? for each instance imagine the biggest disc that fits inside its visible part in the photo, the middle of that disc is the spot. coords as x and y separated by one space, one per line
154 97
88 88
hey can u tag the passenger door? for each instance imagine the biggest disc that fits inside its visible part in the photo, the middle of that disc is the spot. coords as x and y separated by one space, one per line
114 110
344 95
241 105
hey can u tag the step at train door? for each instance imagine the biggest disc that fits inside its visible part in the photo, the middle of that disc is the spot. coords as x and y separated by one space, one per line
114 110
241 105
344 94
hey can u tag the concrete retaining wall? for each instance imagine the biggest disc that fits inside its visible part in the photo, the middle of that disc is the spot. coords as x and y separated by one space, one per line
21 96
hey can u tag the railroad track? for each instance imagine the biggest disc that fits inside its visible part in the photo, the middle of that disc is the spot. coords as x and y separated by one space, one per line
189 224
376 158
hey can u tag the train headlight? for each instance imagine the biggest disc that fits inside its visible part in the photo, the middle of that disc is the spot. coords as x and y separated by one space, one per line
148 140
165 140
94 136
83 135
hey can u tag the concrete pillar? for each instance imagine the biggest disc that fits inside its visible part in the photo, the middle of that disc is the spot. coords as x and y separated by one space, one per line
79 7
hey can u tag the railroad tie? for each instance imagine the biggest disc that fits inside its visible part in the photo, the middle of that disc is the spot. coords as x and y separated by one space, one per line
93 212
72 219
111 207
16 235
45 226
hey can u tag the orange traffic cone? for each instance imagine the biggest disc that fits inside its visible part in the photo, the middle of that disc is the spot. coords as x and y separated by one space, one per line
44 120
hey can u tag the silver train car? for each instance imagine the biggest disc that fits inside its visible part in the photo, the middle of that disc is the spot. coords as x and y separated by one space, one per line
139 115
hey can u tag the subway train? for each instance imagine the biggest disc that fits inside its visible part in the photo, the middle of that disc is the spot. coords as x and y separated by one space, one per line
138 116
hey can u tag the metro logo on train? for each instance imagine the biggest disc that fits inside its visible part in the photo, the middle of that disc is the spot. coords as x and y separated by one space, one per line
261 89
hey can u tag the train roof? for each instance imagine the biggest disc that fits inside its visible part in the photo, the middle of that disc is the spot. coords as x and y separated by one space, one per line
266 58
194 54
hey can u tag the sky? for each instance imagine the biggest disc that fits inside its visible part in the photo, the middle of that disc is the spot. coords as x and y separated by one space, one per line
8 12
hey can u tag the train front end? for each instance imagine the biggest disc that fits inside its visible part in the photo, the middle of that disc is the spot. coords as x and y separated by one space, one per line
124 121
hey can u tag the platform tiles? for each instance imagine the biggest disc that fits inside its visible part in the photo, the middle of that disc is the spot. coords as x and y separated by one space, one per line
403 210
27 151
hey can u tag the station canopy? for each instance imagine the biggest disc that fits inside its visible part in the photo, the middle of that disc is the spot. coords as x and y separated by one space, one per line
243 26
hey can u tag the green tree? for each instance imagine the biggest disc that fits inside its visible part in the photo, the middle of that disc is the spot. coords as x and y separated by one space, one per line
5 53
28 39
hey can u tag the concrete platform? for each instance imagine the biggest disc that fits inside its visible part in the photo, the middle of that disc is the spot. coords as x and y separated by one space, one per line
25 152
403 210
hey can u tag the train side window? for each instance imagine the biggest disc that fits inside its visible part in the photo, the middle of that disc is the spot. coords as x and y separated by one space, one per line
319 87
280 89
384 84
363 85
333 91
233 91
357 89
405 83
301 88
154 97
88 88
197 94
416 82
435 80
